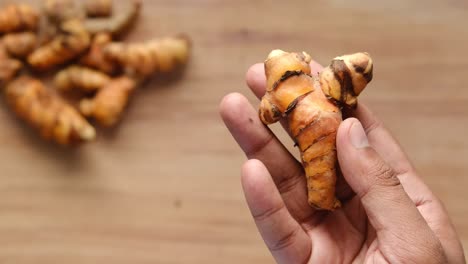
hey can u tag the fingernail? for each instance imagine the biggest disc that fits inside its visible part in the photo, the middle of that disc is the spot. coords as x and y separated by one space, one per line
357 136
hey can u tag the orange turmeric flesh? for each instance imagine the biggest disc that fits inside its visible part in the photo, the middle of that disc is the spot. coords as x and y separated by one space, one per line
312 108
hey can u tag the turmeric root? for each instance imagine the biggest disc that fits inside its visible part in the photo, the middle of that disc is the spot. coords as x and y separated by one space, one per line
110 101
95 56
46 32
115 24
59 11
8 70
144 59
73 40
98 8
18 17
46 112
346 77
8 67
20 45
313 119
82 78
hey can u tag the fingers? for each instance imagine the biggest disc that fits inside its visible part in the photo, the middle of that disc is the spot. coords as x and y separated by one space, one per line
256 80
388 148
315 68
283 236
428 205
390 210
381 140
367 173
442 226
258 142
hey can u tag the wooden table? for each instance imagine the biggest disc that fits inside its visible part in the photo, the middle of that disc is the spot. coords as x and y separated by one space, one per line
164 186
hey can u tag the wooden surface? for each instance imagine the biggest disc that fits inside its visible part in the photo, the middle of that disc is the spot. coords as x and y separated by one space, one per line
164 186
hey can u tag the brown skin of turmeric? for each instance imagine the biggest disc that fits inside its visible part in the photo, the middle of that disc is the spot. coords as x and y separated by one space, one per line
53 118
117 23
9 67
95 57
110 101
20 45
144 59
71 42
311 107
80 78
46 32
345 78
58 11
18 17
98 8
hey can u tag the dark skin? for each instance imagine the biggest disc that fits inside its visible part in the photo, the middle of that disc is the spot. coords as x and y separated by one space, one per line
389 215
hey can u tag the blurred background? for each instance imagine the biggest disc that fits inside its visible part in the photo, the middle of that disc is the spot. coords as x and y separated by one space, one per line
164 186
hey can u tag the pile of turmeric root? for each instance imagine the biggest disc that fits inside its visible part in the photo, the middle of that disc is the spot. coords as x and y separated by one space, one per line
77 41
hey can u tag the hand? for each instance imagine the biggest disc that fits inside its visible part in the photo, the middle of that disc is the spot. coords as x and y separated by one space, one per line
388 215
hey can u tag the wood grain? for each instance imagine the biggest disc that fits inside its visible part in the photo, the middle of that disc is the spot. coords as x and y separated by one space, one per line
164 186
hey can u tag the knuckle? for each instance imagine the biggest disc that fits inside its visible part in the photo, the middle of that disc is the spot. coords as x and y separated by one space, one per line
257 148
284 241
267 213
373 125
289 184
383 175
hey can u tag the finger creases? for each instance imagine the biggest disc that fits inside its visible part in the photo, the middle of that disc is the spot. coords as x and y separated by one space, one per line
382 140
284 237
390 210
258 142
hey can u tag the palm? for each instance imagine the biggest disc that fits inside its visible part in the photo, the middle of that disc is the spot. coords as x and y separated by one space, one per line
345 235
341 233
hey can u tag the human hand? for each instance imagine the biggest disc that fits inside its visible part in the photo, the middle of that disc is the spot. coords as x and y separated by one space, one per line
388 214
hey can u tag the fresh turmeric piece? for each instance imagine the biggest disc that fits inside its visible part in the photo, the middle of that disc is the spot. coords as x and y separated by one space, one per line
82 78
110 101
313 119
47 31
95 57
8 67
58 11
115 24
71 42
98 8
21 44
53 118
143 59
345 78
18 17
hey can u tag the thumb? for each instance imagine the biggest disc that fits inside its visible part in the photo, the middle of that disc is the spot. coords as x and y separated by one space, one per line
389 209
